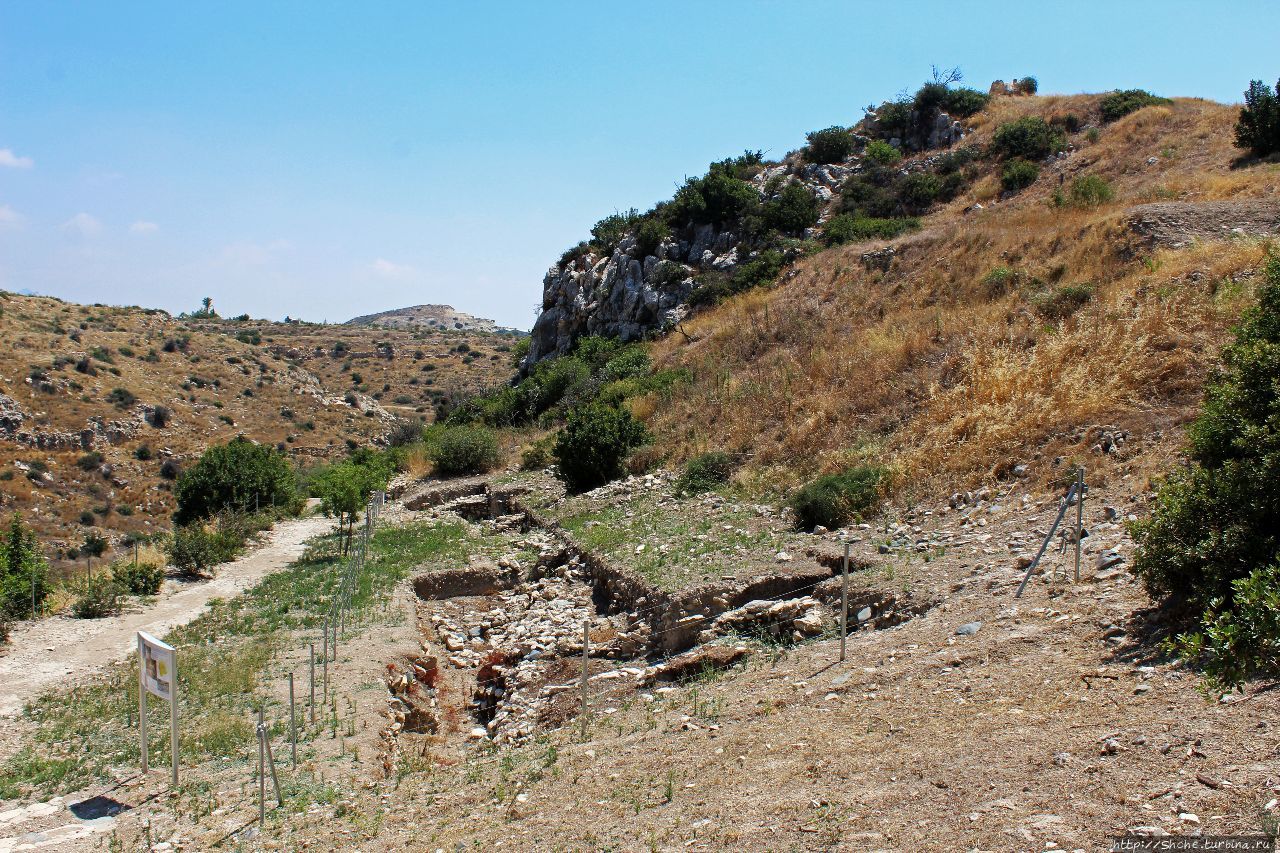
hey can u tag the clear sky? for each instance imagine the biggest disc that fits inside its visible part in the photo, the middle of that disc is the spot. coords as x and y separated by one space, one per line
327 160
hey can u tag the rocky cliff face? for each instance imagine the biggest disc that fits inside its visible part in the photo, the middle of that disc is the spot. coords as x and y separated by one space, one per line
426 317
628 294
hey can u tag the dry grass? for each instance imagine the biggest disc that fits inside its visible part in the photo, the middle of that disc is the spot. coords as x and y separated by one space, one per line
946 377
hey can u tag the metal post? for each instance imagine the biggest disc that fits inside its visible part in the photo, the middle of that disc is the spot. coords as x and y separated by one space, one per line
844 601
1079 517
312 663
1062 510
173 719
142 710
293 725
262 769
271 765
586 651
326 662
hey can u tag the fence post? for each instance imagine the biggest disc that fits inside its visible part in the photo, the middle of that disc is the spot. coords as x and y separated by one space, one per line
1079 516
326 661
844 601
293 725
586 651
262 769
312 681
1062 511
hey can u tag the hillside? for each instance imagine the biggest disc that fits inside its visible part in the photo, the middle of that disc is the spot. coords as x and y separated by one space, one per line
999 329
425 317
81 447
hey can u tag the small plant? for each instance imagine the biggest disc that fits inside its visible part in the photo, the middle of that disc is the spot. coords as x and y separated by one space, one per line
919 191
1119 104
99 597
705 472
1258 128
1088 191
832 145
90 461
1029 137
835 499
847 228
1018 174
170 469
142 579
882 153
142 453
160 417
462 450
537 455
1062 302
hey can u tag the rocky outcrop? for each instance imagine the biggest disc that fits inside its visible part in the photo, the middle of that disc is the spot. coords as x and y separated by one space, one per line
1178 224
426 317
629 293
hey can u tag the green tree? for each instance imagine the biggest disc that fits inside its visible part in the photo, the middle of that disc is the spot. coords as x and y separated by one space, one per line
1258 128
795 209
831 145
240 476
25 574
593 444
1212 542
1029 137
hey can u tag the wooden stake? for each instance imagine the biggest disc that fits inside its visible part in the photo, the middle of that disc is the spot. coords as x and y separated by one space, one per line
844 601
293 725
312 662
1079 516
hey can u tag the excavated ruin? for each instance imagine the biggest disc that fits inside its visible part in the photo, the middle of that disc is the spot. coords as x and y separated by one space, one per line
502 645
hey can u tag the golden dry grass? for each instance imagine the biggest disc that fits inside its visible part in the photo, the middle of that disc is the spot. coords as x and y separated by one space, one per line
946 378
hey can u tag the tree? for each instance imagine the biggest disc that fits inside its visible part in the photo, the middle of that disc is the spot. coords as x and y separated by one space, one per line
239 476
830 145
595 440
1258 128
343 489
1212 542
24 574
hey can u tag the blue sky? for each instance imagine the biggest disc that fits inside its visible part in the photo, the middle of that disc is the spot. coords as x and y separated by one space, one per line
327 160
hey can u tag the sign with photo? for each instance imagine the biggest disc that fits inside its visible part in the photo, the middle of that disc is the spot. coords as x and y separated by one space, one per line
156 658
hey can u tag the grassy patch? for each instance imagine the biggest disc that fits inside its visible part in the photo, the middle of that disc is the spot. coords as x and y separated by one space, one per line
222 658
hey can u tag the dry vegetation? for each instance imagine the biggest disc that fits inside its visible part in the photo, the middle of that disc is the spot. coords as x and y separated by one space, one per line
953 374
307 388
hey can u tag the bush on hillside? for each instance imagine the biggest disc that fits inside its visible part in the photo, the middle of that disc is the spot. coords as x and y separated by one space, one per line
1018 174
593 444
1029 137
1085 191
919 191
704 472
882 153
464 450
794 210
1258 128
847 228
1116 105
608 232
831 145
1061 302
1212 541
836 499
239 476
718 198
142 579
649 235
1026 85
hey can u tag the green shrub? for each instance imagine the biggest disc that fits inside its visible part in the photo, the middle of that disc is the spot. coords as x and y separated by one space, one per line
846 228
608 232
90 461
1062 302
593 444
22 566
1212 542
1029 137
1258 128
919 191
86 518
794 210
718 198
1089 191
1119 104
1018 174
537 455
237 476
962 102
631 362
1026 85
121 398
464 450
832 145
882 153
194 551
99 597
142 453
836 499
142 579
1002 279
704 472
650 234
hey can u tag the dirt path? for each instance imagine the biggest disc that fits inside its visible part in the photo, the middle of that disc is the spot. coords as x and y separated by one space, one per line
42 653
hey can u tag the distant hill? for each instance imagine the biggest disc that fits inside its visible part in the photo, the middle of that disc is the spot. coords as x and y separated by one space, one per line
426 317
